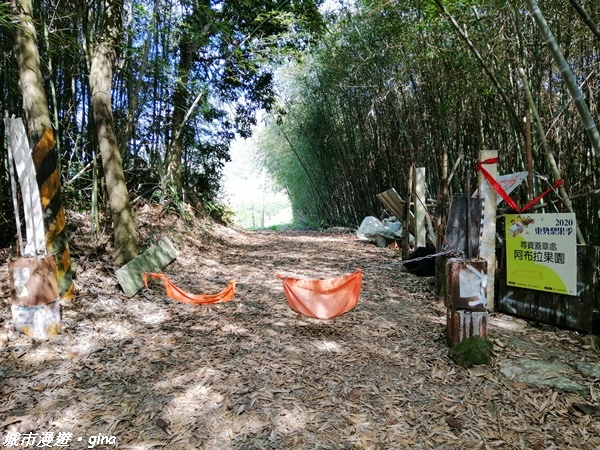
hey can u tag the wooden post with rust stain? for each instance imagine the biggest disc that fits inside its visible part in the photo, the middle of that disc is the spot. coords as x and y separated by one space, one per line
420 212
408 220
33 281
463 324
465 299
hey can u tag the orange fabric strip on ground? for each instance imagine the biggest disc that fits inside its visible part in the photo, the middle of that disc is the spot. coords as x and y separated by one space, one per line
185 297
323 299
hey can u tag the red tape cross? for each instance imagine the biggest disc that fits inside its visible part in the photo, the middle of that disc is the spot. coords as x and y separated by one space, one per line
500 190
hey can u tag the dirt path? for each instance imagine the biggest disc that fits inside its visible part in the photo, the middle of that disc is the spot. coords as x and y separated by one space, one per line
252 374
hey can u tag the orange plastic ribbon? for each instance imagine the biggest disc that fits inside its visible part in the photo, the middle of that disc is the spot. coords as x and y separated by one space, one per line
500 190
192 299
323 299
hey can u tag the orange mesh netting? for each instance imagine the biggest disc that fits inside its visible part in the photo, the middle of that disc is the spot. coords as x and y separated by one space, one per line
184 297
323 299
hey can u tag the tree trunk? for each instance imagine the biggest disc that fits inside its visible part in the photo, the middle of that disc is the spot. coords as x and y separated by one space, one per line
101 69
180 97
564 195
42 143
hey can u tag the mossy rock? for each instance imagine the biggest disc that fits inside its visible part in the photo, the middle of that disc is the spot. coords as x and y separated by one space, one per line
472 351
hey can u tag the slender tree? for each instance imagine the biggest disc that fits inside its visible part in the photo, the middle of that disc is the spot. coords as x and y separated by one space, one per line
188 46
103 56
567 75
586 18
136 79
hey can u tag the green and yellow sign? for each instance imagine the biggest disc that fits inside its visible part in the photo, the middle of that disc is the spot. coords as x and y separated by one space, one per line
541 252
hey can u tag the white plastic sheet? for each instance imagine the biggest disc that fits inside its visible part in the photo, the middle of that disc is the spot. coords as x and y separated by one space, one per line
371 227
32 206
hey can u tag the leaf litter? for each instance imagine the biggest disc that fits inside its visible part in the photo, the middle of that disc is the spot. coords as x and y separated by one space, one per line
253 374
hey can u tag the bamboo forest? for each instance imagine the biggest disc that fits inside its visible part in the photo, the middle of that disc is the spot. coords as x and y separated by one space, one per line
432 285
353 95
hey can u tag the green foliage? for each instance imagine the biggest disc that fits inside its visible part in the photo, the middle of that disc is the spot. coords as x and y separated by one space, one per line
393 84
173 203
220 212
5 13
388 85
232 48
250 213
310 224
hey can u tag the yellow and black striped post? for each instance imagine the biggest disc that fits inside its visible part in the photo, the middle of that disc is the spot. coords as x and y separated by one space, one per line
45 159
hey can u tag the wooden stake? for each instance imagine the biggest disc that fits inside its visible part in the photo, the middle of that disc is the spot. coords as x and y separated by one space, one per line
487 245
408 222
419 200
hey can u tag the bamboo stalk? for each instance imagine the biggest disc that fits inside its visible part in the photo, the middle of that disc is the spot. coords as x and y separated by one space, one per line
528 151
567 76
463 35
95 222
586 18
564 195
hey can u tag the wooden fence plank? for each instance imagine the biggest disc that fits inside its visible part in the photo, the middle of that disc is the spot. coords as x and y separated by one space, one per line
394 203
151 260
419 208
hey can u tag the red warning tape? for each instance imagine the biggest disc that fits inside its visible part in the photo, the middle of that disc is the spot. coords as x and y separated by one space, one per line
503 193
